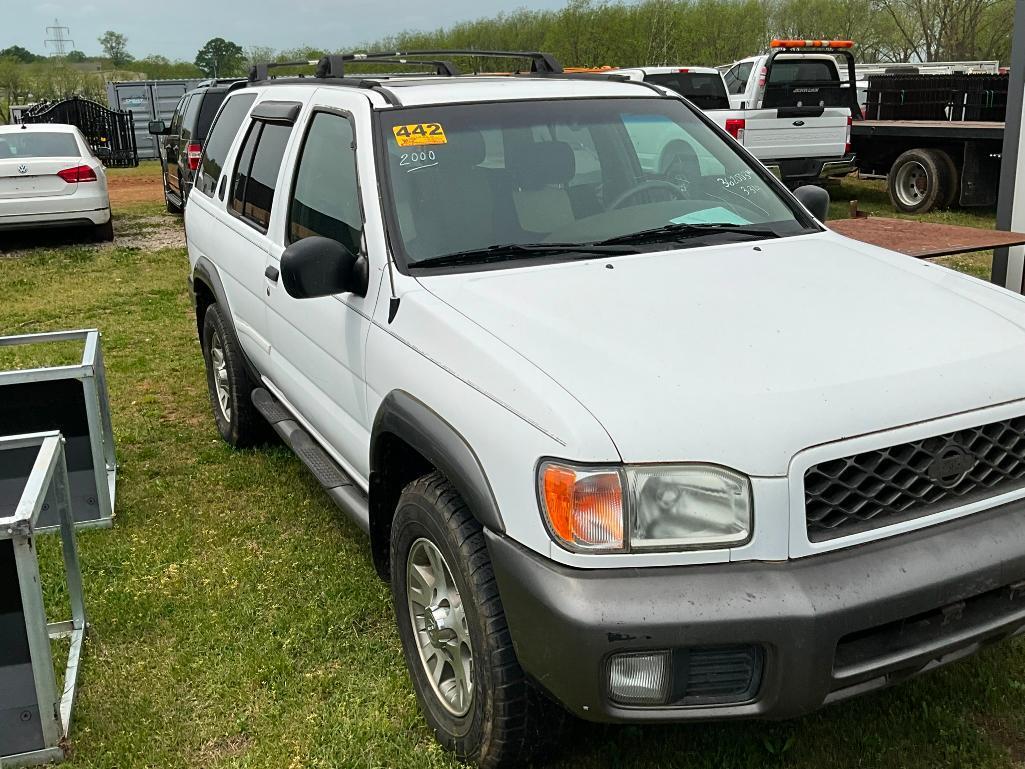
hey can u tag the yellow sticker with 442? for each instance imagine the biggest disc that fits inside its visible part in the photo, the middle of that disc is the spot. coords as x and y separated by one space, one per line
419 134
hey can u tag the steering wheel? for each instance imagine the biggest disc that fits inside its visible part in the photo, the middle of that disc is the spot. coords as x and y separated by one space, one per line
650 184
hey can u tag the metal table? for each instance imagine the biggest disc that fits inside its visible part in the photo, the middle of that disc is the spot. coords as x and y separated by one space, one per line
924 239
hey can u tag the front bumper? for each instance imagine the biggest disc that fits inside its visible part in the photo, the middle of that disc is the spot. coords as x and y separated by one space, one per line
810 169
830 626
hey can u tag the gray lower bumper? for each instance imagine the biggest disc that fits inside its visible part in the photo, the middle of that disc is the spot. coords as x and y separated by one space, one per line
912 603
810 169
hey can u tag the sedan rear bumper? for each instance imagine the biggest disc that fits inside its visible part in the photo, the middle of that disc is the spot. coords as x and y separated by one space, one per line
58 219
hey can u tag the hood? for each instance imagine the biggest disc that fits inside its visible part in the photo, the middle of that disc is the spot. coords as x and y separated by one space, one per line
745 354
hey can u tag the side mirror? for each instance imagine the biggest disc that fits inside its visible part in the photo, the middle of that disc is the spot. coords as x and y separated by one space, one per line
158 127
815 199
317 266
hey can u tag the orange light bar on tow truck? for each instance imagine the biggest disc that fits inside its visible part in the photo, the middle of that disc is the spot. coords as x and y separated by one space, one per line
811 44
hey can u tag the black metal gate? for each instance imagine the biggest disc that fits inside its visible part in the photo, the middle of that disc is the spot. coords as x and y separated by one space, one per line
111 134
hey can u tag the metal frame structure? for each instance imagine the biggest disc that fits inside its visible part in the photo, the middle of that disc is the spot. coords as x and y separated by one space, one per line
92 375
47 482
1009 263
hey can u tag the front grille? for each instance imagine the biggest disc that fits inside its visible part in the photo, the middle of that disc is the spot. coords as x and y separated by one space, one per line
899 483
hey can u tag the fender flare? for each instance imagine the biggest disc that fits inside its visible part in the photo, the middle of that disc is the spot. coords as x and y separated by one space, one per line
205 272
412 421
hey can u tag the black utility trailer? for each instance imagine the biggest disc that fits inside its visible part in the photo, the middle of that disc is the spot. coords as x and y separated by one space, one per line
936 139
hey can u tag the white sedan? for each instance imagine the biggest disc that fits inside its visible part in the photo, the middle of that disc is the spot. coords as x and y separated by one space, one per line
49 177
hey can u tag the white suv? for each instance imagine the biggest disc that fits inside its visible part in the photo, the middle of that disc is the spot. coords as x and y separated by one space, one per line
630 431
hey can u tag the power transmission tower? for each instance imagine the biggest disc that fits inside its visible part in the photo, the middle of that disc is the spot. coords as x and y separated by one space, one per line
58 38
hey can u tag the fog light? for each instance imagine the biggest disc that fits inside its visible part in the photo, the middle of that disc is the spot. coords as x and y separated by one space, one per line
639 679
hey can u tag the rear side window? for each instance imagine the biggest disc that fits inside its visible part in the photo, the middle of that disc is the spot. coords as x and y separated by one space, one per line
189 120
211 101
222 135
325 200
705 89
256 172
736 77
32 144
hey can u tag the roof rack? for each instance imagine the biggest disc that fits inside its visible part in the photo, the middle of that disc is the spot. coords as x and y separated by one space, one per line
333 65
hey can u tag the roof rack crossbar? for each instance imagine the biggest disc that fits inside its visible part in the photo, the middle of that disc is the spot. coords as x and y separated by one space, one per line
261 70
333 65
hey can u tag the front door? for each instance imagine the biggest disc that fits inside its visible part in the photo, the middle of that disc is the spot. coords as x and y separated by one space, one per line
318 345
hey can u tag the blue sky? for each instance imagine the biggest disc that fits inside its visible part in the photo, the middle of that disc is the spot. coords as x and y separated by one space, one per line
177 30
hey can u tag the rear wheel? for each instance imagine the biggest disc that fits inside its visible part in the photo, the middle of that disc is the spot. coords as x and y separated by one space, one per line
473 693
104 232
919 181
238 421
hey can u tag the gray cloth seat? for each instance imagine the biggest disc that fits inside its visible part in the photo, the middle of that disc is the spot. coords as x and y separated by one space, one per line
541 172
678 162
452 204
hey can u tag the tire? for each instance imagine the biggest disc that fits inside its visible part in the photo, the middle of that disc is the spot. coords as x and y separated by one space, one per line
172 208
918 182
950 178
503 719
238 421
104 232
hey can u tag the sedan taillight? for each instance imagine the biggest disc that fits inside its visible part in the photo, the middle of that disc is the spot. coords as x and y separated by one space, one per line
77 174
193 151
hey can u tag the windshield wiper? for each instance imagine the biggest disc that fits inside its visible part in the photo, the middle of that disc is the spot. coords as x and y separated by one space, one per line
677 230
509 251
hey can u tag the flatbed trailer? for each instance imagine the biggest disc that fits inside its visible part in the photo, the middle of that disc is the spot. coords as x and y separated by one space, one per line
931 163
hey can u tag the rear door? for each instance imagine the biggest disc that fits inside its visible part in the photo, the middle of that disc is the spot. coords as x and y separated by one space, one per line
172 145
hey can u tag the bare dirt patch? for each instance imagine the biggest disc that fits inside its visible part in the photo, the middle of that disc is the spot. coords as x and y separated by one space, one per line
150 232
135 189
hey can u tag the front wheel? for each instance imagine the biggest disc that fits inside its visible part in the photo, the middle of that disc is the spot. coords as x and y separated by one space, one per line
473 693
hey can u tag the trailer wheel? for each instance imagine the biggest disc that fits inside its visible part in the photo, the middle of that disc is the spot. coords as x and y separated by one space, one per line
951 179
918 181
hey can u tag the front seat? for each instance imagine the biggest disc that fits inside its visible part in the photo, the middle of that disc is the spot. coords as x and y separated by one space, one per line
452 207
678 162
541 172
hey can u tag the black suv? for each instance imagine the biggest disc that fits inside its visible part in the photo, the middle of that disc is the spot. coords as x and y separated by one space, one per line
182 144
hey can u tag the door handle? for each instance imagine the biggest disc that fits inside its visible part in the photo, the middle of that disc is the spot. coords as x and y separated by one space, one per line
271 273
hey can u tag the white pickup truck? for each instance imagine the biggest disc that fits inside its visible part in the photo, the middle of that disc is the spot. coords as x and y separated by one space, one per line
794 109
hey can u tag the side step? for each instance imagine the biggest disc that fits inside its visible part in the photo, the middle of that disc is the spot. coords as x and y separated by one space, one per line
343 491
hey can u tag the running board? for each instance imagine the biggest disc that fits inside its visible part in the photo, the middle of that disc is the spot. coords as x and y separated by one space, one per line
338 484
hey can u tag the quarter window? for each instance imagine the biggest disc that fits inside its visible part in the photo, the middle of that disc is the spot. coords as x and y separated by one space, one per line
326 197
222 134
256 172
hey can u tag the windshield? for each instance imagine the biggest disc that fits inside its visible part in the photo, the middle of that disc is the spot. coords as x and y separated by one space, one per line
575 171
34 144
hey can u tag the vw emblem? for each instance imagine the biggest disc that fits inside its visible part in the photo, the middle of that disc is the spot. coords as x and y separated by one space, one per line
23 169
950 466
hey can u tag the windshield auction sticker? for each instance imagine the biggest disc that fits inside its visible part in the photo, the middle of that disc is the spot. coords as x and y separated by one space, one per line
419 134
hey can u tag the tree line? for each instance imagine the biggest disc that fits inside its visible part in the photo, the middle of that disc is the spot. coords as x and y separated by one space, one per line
584 33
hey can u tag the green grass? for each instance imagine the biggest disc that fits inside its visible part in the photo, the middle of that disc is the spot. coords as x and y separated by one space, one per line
237 621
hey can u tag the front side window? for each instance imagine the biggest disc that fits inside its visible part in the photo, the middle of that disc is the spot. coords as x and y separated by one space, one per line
256 171
325 200
179 111
554 175
223 133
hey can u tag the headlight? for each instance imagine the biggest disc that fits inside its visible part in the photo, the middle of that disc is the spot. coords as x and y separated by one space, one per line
688 506
583 507
667 507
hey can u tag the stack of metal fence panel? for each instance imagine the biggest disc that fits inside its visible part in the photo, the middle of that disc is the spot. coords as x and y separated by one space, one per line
72 399
58 472
35 717
953 97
